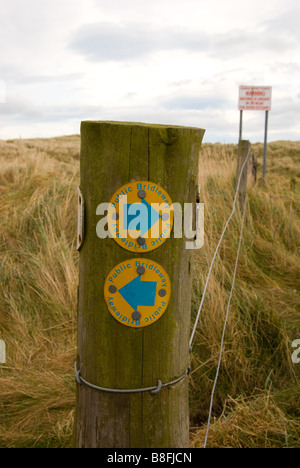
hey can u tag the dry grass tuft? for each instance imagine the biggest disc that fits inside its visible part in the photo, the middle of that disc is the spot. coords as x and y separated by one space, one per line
38 291
255 422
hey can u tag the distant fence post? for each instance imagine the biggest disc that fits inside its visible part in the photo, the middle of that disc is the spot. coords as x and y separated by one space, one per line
110 354
254 168
243 151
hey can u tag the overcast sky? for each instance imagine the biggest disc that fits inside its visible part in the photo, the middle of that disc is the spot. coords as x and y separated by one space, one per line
160 61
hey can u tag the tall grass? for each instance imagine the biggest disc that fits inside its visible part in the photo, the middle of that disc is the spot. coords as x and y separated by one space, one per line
257 402
38 292
257 397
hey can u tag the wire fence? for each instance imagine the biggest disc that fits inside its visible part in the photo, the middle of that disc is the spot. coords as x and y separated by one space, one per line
216 252
231 291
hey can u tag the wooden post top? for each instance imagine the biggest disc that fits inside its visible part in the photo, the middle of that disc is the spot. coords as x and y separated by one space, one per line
138 124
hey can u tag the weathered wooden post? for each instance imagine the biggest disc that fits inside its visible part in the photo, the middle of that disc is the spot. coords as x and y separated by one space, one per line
111 355
254 168
243 154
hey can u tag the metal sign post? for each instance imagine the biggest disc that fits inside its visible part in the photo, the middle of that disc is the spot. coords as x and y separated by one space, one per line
256 98
265 147
241 125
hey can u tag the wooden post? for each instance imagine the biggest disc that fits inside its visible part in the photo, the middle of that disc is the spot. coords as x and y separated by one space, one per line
110 354
254 168
243 150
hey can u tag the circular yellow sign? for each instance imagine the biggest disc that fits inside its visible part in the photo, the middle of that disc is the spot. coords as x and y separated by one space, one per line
140 216
137 292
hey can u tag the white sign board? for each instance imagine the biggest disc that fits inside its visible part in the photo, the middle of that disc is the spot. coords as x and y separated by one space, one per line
255 98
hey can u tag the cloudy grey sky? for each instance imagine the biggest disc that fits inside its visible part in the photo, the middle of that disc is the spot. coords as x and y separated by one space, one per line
160 61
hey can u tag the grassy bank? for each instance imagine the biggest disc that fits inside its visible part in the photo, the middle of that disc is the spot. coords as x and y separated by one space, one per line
257 401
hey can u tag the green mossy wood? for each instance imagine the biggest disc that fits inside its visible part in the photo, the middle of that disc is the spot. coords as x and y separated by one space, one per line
111 354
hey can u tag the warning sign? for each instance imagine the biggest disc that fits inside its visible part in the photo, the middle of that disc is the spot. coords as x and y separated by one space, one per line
255 98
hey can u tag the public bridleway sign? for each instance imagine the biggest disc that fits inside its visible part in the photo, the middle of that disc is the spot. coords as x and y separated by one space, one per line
137 292
140 216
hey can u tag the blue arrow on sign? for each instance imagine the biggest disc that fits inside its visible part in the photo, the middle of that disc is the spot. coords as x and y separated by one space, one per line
139 293
140 215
